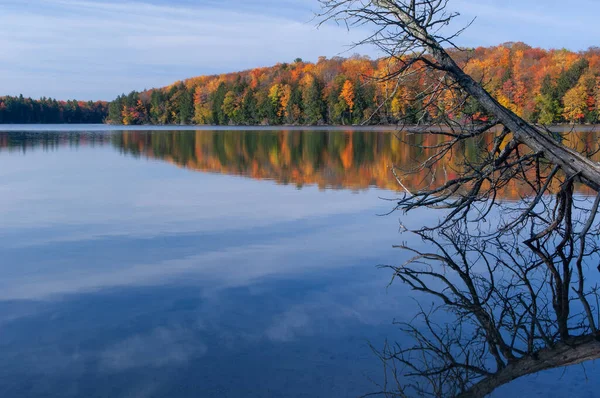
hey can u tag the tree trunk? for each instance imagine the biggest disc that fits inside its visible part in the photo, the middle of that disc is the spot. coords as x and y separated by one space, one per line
570 161
576 351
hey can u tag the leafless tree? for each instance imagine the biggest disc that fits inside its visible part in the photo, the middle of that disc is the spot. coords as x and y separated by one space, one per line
512 273
509 302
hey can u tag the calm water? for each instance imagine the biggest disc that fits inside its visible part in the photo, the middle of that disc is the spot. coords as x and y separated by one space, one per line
203 264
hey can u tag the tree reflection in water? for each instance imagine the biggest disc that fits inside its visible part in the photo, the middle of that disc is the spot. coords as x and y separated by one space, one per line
506 304
508 265
511 272
336 159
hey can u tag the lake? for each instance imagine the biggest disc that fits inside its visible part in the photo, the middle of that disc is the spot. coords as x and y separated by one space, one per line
205 263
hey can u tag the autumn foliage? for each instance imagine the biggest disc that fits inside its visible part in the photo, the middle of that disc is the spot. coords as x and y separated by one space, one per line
545 86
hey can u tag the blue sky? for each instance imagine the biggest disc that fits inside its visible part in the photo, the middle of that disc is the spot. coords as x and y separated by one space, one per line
97 49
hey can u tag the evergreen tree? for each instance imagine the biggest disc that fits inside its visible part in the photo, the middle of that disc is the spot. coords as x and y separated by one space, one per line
186 105
217 99
248 110
313 104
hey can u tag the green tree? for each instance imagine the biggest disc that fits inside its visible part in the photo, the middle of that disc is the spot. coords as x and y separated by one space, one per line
217 99
231 107
114 110
186 105
313 104
248 110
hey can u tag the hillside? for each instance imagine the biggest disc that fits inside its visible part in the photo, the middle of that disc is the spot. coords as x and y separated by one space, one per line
545 86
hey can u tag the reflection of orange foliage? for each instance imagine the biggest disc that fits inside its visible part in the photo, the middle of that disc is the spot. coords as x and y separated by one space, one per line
347 155
349 160
329 159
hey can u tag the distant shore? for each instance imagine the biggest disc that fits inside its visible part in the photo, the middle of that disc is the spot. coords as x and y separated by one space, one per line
560 128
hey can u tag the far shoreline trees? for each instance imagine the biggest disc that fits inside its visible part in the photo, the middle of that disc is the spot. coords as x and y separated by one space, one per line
21 110
541 86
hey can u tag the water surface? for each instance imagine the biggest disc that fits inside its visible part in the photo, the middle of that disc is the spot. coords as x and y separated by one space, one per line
202 263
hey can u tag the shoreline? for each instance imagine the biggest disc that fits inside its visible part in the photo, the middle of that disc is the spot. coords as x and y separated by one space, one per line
559 128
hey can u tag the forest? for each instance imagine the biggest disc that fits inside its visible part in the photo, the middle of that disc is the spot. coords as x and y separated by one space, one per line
542 86
21 110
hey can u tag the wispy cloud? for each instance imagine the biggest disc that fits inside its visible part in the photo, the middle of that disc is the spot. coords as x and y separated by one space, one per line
97 49
160 348
548 24
51 46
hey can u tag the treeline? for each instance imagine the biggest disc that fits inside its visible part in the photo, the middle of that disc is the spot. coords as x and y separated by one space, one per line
544 86
21 110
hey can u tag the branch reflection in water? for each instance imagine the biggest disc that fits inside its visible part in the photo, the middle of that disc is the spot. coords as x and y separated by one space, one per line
510 270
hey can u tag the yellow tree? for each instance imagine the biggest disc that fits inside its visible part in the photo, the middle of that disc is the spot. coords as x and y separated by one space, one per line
575 103
280 95
202 111
400 103
285 95
274 96
126 116
348 95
